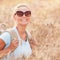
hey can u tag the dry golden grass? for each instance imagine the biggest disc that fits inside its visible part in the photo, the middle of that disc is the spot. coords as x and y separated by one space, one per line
44 26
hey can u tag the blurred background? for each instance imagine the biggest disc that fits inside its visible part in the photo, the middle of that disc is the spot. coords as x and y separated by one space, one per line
44 25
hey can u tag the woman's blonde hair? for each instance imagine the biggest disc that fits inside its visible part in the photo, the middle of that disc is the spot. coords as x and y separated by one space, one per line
17 7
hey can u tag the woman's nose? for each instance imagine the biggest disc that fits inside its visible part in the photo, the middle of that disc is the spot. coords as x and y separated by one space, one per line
24 16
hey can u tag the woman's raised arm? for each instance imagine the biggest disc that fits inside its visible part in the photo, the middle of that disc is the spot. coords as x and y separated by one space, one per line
9 49
2 44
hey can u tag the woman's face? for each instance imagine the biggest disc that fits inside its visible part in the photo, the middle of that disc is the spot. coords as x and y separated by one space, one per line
22 16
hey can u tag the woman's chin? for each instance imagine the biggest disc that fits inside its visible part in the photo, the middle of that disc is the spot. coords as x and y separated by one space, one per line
23 23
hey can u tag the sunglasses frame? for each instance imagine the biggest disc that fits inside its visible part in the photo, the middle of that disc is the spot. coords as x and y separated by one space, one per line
21 13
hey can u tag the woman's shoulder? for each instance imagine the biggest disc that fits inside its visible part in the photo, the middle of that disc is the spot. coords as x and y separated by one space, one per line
9 32
28 34
13 33
10 29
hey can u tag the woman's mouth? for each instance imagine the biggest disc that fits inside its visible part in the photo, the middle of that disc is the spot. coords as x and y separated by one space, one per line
24 22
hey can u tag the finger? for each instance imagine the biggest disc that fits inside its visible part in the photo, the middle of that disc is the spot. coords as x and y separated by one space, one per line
15 41
16 44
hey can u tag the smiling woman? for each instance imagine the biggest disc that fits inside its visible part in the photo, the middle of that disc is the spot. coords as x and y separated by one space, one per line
22 16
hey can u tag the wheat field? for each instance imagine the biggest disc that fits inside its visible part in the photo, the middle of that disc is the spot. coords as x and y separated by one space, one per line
44 25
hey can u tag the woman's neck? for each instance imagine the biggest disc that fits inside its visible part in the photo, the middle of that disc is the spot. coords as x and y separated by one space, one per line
21 28
21 31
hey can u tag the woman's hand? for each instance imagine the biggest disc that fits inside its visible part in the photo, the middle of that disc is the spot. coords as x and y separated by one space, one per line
13 44
33 43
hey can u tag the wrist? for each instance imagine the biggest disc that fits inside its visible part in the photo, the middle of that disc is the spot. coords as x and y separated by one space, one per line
11 48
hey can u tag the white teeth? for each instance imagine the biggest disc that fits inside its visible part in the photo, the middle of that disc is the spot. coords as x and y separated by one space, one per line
24 22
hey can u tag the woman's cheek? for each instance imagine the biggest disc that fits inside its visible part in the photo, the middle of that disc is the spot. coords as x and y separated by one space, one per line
28 19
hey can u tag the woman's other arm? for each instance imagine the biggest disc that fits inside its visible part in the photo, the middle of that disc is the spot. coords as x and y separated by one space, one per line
2 44
8 50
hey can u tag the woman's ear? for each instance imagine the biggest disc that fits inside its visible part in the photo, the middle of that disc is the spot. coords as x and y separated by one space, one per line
14 16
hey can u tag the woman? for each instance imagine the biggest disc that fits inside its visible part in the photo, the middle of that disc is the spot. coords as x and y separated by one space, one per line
22 15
